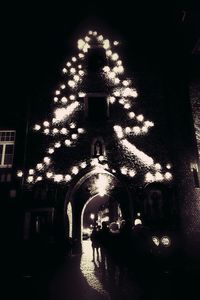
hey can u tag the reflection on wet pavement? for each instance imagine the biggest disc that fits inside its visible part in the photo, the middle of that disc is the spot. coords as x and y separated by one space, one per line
92 270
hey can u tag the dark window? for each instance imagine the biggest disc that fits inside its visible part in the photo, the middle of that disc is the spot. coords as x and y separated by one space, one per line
9 155
97 109
96 60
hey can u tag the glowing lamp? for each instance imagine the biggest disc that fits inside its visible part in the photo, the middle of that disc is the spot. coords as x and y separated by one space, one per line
30 179
37 127
75 170
50 150
68 177
49 174
67 142
57 145
47 160
46 123
19 173
31 172
39 166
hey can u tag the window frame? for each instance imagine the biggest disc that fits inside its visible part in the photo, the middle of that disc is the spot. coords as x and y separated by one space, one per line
5 143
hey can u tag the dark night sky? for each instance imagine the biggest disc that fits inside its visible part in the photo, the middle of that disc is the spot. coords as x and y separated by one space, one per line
37 39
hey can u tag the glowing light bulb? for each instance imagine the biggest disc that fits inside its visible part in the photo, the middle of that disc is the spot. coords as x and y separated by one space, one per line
47 160
168 176
74 59
119 63
115 43
140 118
72 97
46 131
55 99
55 131
83 165
81 72
158 166
81 94
124 170
74 136
68 177
100 38
57 145
68 64
81 44
64 131
168 166
108 52
149 177
136 130
71 83
106 69
67 142
94 162
131 173
46 123
87 38
19 173
159 176
81 130
72 70
131 115
118 130
31 172
115 56
72 125
127 129
49 174
76 78
64 70
57 92
37 127
111 99
63 86
75 170
50 150
30 179
39 166
106 44
127 106
58 177
64 100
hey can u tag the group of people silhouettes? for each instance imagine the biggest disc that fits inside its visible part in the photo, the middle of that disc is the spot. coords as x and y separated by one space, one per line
120 246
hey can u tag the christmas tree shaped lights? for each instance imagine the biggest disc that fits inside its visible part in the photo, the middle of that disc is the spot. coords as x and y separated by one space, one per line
63 125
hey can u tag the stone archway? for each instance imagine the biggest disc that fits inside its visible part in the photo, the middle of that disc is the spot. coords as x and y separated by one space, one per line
84 189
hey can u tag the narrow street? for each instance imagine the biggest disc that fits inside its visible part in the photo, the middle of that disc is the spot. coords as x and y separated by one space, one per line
78 277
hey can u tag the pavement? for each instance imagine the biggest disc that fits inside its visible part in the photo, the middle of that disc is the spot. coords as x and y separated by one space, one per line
44 275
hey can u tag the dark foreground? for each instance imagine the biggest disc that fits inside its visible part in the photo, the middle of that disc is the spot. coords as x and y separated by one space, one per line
47 274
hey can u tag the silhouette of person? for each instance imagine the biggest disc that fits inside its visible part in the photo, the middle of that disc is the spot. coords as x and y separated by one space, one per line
95 243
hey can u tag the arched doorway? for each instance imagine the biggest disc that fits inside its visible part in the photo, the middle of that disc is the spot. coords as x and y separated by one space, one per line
98 195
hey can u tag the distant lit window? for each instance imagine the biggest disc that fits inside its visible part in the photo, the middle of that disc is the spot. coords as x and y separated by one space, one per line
7 141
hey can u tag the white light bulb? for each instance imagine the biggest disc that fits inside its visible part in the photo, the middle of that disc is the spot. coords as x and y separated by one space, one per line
74 136
47 160
19 173
57 92
73 70
68 64
31 172
63 86
37 127
57 145
72 97
64 100
49 174
75 170
30 179
68 177
74 59
71 83
81 130
140 118
64 70
115 56
46 131
50 150
131 115
46 123
67 142
55 99
64 131
39 166
83 165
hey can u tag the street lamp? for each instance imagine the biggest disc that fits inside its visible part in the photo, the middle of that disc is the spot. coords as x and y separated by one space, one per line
92 216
